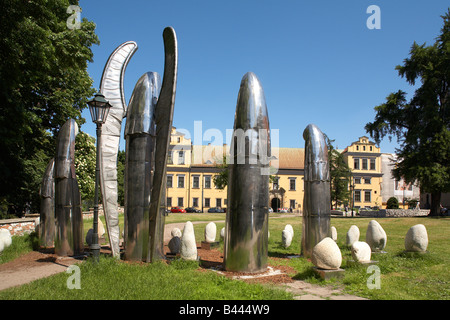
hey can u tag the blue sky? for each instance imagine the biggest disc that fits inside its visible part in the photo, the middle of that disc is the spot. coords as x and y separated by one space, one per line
317 60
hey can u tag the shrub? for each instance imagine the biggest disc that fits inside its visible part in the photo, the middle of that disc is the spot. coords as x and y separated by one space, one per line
392 203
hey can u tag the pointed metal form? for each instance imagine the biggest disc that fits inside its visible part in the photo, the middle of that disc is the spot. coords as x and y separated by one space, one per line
111 86
317 198
163 118
69 239
139 164
246 240
47 214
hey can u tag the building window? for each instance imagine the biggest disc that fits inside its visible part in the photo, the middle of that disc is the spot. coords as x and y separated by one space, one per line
364 148
169 181
356 163
181 181
170 157
179 139
371 148
292 204
181 157
195 202
364 164
357 180
367 180
276 182
372 164
180 202
207 202
357 196
169 202
367 196
357 148
207 182
195 182
292 184
218 202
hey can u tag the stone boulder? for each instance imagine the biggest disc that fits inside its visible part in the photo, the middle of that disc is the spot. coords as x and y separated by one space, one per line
290 229
210 232
376 237
175 245
5 239
333 233
361 251
286 238
175 233
222 233
352 235
326 255
416 239
188 250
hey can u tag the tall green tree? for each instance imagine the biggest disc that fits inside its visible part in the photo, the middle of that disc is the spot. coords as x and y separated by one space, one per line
43 83
421 125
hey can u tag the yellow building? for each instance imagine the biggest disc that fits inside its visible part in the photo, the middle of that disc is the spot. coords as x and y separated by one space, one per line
190 181
364 159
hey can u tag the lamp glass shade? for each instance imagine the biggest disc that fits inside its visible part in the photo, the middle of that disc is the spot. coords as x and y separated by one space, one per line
99 108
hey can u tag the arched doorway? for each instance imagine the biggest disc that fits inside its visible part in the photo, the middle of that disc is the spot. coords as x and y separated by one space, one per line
275 204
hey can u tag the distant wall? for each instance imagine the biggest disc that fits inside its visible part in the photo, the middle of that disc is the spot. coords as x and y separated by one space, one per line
394 213
19 226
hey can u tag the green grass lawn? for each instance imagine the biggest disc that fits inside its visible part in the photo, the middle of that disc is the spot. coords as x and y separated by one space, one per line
403 276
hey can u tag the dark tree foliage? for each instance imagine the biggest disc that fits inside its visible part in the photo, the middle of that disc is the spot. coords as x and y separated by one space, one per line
43 83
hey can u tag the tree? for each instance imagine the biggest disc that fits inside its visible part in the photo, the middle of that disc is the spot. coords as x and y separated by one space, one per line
43 83
421 125
85 158
392 203
340 175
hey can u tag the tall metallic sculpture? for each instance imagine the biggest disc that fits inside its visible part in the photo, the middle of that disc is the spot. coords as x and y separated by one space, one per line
317 198
147 133
246 240
69 239
47 214
111 86
140 138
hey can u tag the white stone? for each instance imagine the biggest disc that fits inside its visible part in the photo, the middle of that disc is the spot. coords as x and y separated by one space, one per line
175 232
333 233
175 245
222 233
326 255
416 239
290 229
376 237
286 238
188 250
5 238
361 251
101 228
210 232
352 235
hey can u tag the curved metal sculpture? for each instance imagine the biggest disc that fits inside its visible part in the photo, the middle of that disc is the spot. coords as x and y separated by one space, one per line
139 164
163 119
111 86
246 240
47 214
317 198
68 216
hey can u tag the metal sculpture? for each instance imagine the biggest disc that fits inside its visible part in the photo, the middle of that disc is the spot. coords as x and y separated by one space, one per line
68 216
139 164
317 198
246 240
147 132
47 214
111 86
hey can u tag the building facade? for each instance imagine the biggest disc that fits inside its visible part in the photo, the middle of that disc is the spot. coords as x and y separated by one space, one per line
191 170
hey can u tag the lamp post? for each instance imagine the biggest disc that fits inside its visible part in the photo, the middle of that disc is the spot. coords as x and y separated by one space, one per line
99 108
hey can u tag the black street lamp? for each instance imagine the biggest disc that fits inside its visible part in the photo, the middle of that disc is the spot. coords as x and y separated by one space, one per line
99 108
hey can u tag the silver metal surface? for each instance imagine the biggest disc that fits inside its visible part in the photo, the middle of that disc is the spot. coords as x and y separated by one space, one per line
47 213
139 165
246 232
163 118
68 216
111 86
317 198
